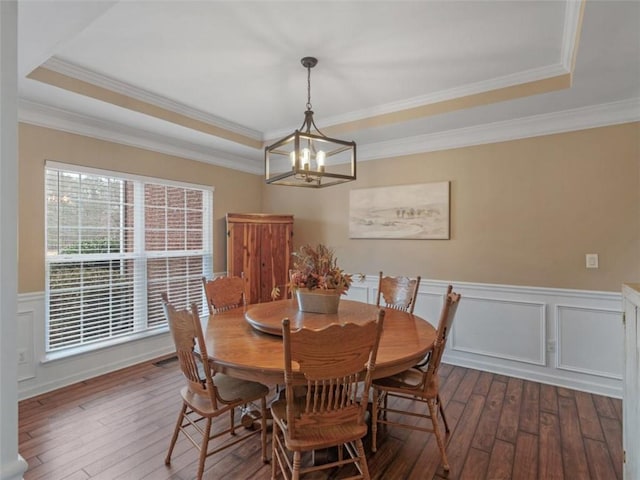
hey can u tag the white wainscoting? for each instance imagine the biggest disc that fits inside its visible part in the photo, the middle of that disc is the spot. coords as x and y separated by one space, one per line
569 338
36 375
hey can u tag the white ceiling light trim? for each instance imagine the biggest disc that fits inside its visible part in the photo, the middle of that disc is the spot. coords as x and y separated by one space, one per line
613 113
58 119
79 73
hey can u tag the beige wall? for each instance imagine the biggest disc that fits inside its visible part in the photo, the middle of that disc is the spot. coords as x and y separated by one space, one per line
234 191
523 212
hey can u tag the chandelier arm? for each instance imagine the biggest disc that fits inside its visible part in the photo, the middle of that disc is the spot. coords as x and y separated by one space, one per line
316 127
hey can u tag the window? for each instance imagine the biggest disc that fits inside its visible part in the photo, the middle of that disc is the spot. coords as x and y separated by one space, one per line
113 244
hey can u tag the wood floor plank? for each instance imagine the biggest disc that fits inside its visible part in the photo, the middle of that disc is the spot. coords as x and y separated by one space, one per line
483 384
118 427
574 458
429 461
548 398
530 407
465 389
589 421
600 464
617 406
612 433
462 436
476 465
604 406
550 449
510 415
525 459
501 461
488 424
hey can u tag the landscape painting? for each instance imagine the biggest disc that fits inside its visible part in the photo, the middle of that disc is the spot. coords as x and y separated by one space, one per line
407 211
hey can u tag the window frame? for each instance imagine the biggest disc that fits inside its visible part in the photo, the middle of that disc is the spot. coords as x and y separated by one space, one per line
140 256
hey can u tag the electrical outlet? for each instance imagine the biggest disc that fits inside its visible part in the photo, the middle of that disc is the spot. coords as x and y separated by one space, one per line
591 260
551 346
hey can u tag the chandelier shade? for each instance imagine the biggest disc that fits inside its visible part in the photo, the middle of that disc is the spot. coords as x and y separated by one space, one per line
307 157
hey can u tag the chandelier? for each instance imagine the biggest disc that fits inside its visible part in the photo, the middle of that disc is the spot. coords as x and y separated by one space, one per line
307 157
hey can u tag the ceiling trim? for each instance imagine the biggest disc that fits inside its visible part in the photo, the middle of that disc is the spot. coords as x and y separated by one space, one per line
537 125
507 87
533 126
46 116
75 71
573 16
71 77
82 87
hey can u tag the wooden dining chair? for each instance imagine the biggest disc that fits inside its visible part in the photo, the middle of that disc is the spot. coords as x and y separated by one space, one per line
398 293
204 399
326 366
417 384
224 293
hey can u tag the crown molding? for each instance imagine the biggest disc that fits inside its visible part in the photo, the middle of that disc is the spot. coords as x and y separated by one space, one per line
570 32
79 73
498 83
58 119
595 116
536 125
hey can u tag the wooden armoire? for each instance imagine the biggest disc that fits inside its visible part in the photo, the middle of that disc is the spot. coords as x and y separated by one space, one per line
260 246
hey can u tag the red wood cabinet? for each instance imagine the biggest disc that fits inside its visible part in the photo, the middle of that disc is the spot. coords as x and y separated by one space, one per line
260 246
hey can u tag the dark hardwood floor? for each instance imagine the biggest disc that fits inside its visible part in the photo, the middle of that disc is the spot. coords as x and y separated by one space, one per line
118 426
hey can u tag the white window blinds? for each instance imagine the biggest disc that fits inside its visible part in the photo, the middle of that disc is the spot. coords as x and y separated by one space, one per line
113 244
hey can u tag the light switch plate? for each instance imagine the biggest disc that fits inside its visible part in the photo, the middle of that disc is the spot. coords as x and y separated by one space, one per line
592 260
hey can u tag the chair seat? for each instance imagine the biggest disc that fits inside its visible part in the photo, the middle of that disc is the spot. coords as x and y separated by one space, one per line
408 380
232 392
315 437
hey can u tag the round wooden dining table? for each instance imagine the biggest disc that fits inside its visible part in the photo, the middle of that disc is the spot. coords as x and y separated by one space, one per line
246 343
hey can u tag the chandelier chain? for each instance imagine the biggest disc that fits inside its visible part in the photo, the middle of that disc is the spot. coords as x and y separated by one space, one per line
309 88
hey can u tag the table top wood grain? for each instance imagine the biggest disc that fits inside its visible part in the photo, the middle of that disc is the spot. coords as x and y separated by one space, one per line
238 349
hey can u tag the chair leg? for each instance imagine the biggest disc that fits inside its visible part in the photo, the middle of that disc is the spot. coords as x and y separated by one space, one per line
374 420
362 460
444 417
176 431
433 410
204 448
295 475
232 423
263 427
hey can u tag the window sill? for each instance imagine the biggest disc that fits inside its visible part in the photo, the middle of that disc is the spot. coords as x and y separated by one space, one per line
94 347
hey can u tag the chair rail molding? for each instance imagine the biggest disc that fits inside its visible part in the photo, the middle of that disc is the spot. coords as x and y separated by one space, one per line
546 335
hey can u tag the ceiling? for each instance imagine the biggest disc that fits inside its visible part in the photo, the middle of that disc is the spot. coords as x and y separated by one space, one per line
217 80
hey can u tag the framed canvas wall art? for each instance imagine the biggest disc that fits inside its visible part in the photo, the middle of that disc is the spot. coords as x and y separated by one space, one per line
418 211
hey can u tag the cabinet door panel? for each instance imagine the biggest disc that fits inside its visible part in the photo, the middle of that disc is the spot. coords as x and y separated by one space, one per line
275 252
244 257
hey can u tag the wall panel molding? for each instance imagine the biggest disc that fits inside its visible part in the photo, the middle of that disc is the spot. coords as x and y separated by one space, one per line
553 333
600 352
474 333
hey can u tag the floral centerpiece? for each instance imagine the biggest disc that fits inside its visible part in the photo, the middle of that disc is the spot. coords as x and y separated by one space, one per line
316 279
